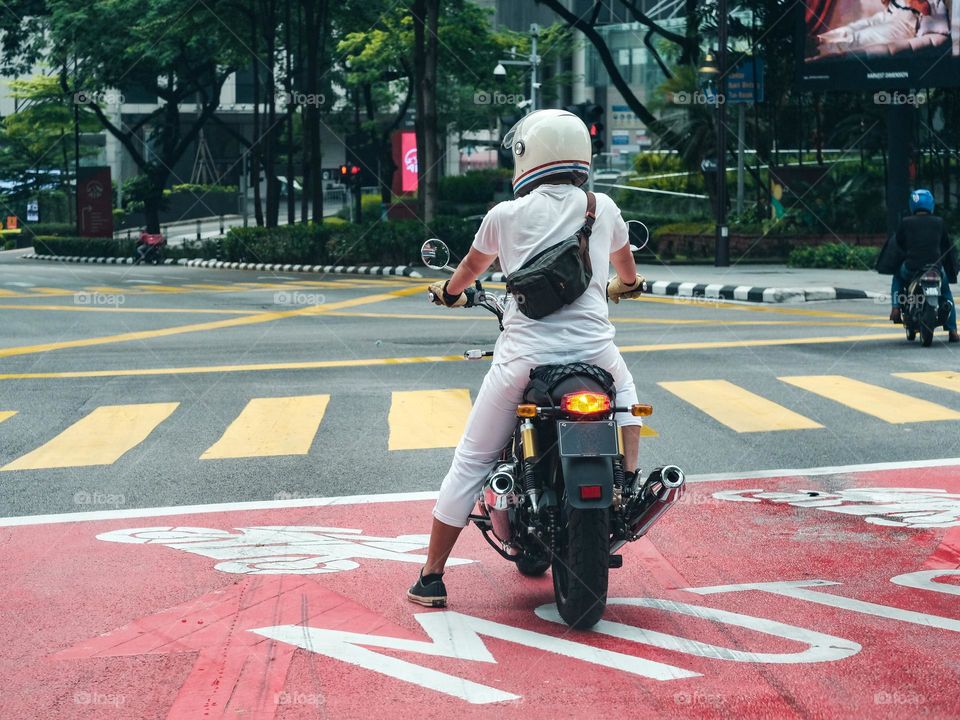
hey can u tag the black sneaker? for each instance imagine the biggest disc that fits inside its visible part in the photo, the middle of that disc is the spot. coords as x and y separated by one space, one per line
429 591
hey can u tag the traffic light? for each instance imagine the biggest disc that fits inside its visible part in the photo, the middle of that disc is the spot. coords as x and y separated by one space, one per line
596 137
349 174
505 155
592 116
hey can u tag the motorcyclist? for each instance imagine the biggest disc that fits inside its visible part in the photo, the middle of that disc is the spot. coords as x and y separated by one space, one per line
552 155
922 241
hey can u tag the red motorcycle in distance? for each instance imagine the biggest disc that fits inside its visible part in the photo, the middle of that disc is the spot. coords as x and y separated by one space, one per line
559 499
150 248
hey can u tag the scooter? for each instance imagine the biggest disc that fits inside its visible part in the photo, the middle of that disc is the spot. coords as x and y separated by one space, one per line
922 306
559 498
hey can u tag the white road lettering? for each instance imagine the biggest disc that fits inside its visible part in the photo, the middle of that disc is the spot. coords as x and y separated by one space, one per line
455 635
821 647
281 550
796 589
923 580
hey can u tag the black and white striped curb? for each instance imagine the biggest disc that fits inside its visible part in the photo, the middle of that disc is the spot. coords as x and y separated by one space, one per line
745 293
402 270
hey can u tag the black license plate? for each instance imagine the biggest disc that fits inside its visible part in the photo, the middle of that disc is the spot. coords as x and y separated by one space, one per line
588 439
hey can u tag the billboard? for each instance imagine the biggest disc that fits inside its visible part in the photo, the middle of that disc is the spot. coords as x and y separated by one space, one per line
405 158
879 44
95 202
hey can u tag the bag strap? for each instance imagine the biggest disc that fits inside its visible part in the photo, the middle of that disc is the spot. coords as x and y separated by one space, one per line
583 235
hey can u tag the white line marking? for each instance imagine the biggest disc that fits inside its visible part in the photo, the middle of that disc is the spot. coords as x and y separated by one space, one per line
425 495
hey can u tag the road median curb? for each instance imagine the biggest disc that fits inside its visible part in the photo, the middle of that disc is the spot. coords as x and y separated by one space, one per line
745 293
380 270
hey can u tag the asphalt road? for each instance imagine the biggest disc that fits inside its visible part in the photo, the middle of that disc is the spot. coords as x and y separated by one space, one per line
197 345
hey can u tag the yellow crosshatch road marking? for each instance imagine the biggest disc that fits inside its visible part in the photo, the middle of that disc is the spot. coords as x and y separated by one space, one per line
272 426
946 380
100 438
737 408
118 309
647 431
405 360
7 414
888 405
421 419
212 325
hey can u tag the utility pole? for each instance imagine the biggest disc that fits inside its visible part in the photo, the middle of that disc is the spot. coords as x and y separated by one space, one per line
722 244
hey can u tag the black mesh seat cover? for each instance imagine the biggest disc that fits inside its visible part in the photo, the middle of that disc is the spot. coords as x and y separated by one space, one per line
549 383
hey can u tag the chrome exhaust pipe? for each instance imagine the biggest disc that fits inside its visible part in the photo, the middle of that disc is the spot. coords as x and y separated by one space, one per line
663 488
500 497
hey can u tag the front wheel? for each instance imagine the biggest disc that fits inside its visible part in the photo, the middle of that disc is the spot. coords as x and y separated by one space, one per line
926 335
581 569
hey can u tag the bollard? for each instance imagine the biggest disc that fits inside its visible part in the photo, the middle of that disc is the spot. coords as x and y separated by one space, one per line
221 226
198 231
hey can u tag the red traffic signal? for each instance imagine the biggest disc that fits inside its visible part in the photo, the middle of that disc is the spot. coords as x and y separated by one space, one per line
349 171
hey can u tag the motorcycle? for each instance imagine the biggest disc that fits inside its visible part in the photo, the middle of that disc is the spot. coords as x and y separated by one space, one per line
150 248
559 498
922 306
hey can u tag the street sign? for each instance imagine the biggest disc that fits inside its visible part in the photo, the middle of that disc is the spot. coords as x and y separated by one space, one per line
33 211
95 202
743 85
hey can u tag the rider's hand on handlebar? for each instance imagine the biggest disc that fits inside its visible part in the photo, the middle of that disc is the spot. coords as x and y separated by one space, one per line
439 296
617 290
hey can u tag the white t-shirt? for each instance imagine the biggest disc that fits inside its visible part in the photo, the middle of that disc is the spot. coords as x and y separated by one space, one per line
516 230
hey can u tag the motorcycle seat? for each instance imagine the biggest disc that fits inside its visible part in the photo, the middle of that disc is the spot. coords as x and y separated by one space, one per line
549 383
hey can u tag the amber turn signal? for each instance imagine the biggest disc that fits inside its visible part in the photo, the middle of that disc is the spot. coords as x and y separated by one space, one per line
641 410
527 411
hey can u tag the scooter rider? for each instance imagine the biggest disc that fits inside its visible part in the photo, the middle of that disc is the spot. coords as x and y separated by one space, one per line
552 154
922 241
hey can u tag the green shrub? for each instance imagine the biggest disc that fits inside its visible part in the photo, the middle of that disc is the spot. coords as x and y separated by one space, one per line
82 247
58 229
9 244
834 255
300 244
684 228
475 187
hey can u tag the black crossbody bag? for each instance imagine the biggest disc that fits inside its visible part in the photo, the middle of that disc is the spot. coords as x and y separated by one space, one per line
558 275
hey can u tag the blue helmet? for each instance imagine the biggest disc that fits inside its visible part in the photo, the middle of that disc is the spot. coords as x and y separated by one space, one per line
921 201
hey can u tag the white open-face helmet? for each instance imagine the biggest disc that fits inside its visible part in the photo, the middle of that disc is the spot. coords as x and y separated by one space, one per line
548 145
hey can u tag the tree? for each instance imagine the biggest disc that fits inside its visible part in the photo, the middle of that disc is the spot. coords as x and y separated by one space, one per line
426 19
37 149
179 54
379 48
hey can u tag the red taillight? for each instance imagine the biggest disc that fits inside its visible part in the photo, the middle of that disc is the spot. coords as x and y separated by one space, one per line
591 492
585 403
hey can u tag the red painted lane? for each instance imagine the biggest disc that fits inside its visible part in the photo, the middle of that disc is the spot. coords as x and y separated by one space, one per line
178 627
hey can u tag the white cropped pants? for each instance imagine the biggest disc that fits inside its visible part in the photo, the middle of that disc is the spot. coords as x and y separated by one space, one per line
492 421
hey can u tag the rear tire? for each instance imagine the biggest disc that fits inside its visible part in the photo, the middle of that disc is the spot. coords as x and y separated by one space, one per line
928 323
911 335
926 336
581 571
